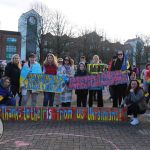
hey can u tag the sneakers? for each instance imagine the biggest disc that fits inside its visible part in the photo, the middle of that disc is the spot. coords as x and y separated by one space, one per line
135 121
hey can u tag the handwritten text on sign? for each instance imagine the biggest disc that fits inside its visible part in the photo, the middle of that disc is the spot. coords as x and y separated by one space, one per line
113 78
44 82
74 113
104 79
84 82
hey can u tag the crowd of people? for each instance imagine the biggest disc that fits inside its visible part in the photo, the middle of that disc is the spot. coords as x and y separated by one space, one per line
130 95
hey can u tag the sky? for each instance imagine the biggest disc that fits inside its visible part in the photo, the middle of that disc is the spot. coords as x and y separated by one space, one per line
120 20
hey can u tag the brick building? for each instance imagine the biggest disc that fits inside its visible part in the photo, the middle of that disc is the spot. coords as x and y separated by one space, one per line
10 43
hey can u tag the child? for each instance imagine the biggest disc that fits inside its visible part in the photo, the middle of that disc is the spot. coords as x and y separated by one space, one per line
6 96
82 93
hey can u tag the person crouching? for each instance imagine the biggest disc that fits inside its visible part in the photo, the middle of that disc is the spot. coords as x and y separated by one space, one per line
135 101
6 96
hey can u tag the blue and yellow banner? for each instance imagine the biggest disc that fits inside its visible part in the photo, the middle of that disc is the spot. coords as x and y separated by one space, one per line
45 82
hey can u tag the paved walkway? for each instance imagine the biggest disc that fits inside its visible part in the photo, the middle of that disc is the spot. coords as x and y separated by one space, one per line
80 135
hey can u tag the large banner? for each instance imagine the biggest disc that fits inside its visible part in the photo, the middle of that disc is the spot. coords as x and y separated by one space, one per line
44 82
104 79
73 113
50 83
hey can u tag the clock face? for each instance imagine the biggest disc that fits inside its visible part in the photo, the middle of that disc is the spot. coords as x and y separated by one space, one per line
32 20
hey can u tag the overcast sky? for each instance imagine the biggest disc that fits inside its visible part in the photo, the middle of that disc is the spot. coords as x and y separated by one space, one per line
119 19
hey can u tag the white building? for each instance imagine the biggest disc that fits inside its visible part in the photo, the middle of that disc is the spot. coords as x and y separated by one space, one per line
30 27
133 44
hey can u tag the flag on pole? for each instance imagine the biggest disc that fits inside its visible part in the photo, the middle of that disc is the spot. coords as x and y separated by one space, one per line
125 64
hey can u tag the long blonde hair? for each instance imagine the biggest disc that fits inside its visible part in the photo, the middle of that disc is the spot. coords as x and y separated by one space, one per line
96 56
12 60
54 60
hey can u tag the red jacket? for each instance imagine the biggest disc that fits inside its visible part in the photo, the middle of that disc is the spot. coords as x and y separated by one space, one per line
50 69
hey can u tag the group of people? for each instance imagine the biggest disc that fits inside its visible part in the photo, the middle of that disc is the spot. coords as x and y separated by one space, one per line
129 94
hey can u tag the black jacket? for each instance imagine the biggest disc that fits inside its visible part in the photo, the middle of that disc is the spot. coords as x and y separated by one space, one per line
116 65
13 71
81 91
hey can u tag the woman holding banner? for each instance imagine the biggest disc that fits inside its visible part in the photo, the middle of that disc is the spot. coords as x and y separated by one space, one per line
49 67
30 67
67 70
119 91
98 91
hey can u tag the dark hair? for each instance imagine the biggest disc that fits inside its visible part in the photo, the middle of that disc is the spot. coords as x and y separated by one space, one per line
70 63
83 57
32 55
137 88
114 57
148 64
3 79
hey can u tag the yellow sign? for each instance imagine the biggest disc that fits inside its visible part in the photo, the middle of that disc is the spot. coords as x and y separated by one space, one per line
96 68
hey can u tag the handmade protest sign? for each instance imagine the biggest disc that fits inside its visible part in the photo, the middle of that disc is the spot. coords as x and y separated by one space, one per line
113 78
84 82
96 68
57 114
99 80
44 82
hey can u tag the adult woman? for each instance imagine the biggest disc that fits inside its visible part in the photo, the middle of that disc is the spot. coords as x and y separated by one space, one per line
135 101
49 67
67 70
119 91
30 67
92 93
13 70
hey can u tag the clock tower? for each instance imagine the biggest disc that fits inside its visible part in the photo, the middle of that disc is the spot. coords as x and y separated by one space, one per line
29 26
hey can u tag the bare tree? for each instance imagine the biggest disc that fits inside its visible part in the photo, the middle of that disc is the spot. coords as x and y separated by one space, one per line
45 25
59 28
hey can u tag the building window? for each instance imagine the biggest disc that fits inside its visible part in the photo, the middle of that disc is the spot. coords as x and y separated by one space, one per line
11 40
10 50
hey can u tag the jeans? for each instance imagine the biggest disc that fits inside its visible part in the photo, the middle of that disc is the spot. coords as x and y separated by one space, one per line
48 99
25 98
